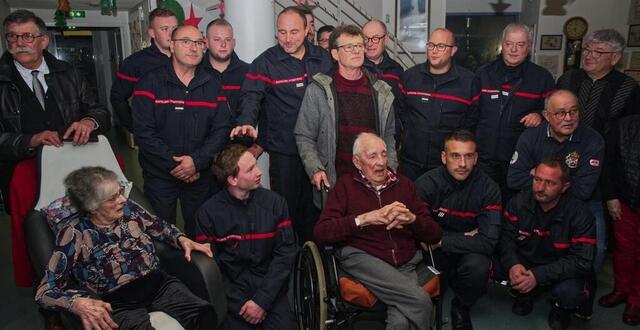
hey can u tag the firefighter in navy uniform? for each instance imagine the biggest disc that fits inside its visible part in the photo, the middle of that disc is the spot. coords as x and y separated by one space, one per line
437 97
162 22
547 243
272 94
224 64
179 127
466 204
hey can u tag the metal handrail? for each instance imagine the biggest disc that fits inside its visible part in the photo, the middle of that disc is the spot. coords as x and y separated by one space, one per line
396 44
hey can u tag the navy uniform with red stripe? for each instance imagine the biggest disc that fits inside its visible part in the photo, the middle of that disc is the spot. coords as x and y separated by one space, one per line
272 95
230 80
461 207
171 119
430 107
557 246
507 94
388 70
583 152
131 69
254 246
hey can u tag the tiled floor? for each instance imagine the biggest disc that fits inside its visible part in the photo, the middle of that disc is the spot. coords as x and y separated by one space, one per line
18 311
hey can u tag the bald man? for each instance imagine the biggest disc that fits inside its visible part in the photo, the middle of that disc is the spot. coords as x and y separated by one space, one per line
179 127
436 98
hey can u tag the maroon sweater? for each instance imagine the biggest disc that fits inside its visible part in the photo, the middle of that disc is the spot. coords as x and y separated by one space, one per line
351 197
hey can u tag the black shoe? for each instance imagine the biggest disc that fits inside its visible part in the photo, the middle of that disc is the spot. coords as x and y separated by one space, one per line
522 305
559 318
460 319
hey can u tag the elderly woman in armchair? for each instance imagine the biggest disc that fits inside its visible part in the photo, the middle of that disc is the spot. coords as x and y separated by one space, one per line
108 251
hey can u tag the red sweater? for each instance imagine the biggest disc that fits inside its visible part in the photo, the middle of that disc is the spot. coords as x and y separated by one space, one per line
351 197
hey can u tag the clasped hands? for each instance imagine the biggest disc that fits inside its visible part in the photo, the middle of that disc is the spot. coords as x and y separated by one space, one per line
394 215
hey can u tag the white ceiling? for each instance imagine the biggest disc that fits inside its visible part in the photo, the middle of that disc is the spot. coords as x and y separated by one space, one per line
75 4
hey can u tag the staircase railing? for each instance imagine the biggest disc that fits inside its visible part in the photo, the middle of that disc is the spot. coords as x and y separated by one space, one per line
347 11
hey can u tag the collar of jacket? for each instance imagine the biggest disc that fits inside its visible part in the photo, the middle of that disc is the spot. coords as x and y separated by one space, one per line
234 64
456 183
392 179
557 212
325 80
500 66
153 48
200 76
311 52
574 137
54 64
386 60
239 202
448 76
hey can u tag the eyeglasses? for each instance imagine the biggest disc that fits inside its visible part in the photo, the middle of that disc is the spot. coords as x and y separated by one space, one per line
562 114
375 39
351 47
439 47
594 53
188 42
115 196
26 37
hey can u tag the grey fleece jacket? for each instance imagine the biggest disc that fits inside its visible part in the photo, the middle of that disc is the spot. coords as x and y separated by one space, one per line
315 130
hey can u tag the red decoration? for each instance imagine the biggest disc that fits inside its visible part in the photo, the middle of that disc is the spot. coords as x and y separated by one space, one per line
193 20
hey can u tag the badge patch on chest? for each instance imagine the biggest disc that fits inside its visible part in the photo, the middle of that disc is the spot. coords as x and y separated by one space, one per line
572 159
440 214
300 84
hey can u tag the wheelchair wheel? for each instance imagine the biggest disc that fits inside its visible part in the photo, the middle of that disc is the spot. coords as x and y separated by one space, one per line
310 290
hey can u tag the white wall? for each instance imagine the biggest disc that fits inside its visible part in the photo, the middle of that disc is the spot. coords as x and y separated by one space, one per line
475 6
93 19
4 12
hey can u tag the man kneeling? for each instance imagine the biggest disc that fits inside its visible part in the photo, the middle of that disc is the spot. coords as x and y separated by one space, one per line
253 243
377 219
548 240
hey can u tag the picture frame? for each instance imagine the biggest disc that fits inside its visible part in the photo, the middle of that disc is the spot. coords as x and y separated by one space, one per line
551 42
412 24
633 39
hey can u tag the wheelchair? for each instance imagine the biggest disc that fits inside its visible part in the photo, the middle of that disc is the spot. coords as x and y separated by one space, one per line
201 275
325 298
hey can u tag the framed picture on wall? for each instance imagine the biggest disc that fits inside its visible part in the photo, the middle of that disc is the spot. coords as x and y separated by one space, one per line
412 26
634 36
551 42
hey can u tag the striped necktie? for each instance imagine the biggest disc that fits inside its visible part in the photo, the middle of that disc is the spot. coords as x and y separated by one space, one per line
37 88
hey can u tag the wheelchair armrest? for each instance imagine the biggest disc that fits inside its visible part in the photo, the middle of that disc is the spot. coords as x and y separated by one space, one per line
202 275
40 242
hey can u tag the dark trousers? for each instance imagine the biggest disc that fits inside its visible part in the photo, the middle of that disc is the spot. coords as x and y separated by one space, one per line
567 293
466 274
163 194
497 170
289 179
158 291
278 317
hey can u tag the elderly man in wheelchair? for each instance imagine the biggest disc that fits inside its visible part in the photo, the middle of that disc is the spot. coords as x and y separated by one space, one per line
376 220
108 251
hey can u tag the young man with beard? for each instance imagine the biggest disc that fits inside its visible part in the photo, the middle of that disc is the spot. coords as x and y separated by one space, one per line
466 204
273 91
547 243
223 63
162 22
179 127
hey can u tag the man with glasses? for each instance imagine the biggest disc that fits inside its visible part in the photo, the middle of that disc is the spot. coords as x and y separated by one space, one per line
436 98
377 59
511 91
323 36
43 101
605 95
272 94
223 63
336 108
179 127
162 22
